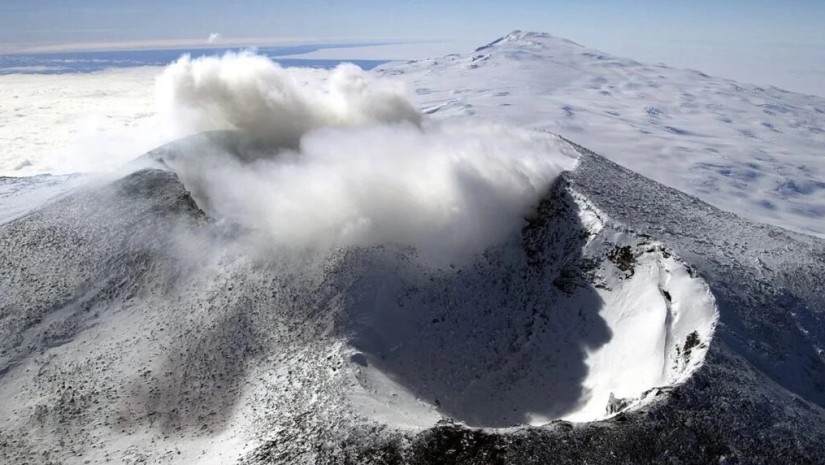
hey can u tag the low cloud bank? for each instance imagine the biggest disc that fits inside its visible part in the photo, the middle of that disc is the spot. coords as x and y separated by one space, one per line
344 159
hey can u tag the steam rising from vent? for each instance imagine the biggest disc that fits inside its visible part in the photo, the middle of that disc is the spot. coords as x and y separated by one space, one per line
342 158
273 105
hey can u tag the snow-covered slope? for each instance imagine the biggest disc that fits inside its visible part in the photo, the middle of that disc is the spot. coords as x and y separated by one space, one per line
136 330
755 151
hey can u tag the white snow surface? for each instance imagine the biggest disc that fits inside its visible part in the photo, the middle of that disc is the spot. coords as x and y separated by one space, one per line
758 152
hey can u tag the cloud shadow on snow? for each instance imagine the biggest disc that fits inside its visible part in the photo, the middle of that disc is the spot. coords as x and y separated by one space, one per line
199 382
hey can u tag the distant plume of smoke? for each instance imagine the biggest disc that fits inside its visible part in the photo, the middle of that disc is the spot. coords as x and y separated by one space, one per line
349 161
213 38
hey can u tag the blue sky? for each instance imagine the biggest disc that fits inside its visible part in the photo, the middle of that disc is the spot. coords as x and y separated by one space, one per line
770 35
116 20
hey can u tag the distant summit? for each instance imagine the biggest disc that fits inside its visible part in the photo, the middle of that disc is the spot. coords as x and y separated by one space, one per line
732 144
527 38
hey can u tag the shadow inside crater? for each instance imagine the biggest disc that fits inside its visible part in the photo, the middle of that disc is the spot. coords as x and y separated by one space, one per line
502 341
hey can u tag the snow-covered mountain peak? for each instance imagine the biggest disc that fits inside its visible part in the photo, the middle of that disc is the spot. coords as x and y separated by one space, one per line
529 39
735 145
521 35
532 37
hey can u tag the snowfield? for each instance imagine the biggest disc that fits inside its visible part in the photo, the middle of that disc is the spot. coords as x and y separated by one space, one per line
754 151
328 275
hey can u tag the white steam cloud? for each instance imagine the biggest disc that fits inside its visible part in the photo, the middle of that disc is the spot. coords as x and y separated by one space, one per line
273 105
344 159
213 37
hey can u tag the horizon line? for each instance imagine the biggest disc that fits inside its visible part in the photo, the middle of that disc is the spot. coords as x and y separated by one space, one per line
193 43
